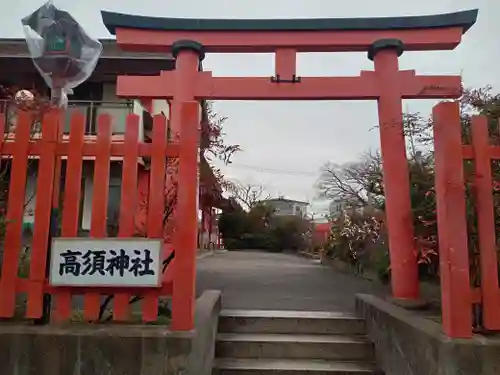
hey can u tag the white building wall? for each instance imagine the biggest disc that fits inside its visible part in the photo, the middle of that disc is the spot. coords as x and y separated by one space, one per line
137 109
336 207
161 106
30 199
88 192
289 208
118 113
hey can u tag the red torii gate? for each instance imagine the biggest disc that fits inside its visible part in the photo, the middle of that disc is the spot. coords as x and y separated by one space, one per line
385 39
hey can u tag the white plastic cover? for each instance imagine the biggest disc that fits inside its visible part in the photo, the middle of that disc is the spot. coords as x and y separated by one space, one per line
63 53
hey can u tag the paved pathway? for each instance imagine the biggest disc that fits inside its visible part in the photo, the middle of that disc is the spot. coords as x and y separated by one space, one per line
269 281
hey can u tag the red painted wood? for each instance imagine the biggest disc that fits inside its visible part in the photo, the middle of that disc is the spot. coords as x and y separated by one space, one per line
128 204
98 224
2 130
387 84
183 295
44 192
141 215
14 217
364 87
24 285
147 103
74 149
156 202
168 276
285 63
486 224
56 191
456 293
404 268
71 204
493 151
118 149
186 71
476 295
307 41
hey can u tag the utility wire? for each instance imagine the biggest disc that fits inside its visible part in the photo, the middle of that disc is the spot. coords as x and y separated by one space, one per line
272 170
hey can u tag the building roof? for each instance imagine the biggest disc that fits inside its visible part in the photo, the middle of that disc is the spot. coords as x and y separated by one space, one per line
16 63
284 200
464 19
17 47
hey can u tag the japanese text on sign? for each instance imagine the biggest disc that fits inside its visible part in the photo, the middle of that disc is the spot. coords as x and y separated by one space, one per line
106 262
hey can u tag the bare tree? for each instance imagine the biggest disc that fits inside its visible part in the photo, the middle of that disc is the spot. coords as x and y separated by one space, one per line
353 183
213 136
248 195
360 183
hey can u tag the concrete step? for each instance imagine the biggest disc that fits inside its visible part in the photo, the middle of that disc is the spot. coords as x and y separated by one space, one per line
299 322
231 366
254 345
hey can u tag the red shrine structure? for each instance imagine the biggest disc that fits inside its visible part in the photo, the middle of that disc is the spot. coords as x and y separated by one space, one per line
383 39
188 40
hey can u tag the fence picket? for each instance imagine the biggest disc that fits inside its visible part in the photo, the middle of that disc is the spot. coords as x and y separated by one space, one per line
50 149
43 205
15 214
486 223
71 202
98 226
156 203
128 204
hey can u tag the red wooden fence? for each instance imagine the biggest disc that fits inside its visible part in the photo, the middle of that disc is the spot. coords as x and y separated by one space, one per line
48 149
457 294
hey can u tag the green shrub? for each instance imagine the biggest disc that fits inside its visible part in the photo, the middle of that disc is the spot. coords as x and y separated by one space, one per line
261 229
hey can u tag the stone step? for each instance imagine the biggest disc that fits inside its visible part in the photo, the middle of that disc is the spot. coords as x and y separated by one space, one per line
298 322
253 345
232 366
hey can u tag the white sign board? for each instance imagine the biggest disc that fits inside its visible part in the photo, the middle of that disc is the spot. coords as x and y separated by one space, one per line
108 262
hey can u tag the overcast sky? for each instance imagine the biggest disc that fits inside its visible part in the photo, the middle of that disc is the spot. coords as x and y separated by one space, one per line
285 143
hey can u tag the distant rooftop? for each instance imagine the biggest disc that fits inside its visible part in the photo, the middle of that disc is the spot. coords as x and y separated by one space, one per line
283 199
17 48
16 64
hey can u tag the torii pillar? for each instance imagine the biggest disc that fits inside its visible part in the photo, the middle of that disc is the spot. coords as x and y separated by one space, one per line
188 55
404 267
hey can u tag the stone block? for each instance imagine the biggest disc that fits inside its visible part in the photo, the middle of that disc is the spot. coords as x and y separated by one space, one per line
407 343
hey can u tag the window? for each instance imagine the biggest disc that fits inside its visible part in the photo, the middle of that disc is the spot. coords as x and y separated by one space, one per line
82 100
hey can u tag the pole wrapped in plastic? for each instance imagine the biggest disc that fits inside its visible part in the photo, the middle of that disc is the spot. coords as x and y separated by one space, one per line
64 54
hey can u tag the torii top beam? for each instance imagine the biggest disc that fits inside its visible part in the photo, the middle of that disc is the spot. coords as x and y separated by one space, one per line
417 33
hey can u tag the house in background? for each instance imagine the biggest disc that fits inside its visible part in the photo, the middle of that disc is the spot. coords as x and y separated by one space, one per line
336 207
94 97
288 207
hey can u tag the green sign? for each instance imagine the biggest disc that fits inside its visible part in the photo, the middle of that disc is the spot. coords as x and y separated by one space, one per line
56 44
